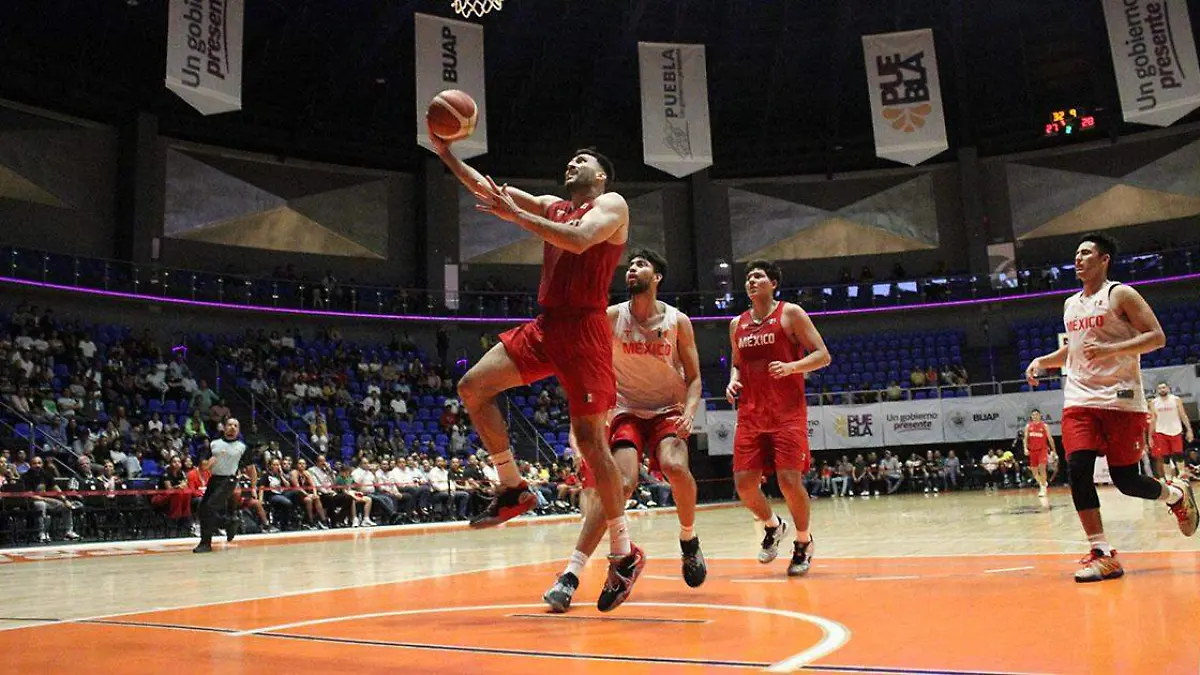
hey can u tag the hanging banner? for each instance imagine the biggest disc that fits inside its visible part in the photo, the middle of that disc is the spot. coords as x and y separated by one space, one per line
722 424
978 418
906 98
676 137
449 55
204 53
1154 57
912 422
851 426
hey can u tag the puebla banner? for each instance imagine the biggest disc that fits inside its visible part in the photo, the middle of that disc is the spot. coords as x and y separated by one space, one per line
449 55
204 53
906 96
849 427
1154 58
676 134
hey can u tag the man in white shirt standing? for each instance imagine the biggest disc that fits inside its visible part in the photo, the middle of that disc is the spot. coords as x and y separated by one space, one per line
1109 326
1171 428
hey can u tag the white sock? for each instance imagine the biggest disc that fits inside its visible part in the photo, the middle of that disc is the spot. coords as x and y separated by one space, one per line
618 536
1099 542
687 533
1170 494
578 560
507 468
773 522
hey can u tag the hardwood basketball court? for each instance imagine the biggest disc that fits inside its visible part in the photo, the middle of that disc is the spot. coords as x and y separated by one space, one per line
960 583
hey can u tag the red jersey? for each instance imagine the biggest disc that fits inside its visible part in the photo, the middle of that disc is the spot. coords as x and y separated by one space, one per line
766 403
576 280
1038 435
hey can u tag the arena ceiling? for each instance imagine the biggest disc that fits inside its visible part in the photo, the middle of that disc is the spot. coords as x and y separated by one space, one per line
333 79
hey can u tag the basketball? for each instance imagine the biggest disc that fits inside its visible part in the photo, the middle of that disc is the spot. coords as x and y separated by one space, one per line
452 115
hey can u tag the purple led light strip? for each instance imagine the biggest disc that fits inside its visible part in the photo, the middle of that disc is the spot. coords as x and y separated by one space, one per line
513 320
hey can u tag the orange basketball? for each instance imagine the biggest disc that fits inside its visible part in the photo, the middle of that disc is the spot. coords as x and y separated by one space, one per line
452 115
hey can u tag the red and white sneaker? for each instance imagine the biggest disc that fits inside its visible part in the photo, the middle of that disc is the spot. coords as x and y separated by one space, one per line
508 503
1185 509
622 573
1095 566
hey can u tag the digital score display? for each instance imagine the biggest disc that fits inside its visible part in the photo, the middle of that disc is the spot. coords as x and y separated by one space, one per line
1069 121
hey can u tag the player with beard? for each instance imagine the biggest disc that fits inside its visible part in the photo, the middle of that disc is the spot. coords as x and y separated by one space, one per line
583 237
658 393
1171 427
1109 326
773 344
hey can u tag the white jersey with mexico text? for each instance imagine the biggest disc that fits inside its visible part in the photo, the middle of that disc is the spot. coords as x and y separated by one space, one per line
650 379
1166 416
1111 382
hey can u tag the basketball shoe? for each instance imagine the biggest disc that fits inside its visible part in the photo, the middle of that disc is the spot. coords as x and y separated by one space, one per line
801 558
1185 509
770 543
508 503
1097 567
560 594
622 573
694 569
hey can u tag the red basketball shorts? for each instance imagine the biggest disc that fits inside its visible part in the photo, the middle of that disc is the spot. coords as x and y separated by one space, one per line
1038 456
575 346
644 434
1117 434
770 451
1165 446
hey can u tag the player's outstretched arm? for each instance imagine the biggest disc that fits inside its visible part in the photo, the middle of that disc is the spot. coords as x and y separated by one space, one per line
607 218
477 183
1055 359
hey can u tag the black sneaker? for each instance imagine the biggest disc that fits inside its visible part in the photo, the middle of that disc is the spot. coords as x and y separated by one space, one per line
508 503
770 543
203 548
622 573
694 569
801 558
231 528
559 595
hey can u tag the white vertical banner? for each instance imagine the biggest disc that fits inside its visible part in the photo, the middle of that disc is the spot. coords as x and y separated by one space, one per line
204 53
977 418
449 55
676 134
912 422
1154 57
722 425
852 426
906 97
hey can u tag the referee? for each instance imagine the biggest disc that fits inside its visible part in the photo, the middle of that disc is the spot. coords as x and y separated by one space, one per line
217 503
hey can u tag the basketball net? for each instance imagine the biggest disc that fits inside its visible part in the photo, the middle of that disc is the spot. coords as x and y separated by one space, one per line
469 8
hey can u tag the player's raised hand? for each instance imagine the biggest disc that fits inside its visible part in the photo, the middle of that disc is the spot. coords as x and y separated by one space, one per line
779 369
439 144
732 390
498 202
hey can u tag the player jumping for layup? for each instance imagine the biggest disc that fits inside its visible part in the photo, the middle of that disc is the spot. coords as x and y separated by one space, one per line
1109 326
584 237
658 392
773 345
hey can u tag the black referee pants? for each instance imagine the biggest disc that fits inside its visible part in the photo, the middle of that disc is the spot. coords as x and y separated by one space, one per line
215 505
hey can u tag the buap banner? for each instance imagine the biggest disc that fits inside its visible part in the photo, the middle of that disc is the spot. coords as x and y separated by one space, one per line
1154 57
676 134
906 97
204 53
912 422
849 427
449 55
977 418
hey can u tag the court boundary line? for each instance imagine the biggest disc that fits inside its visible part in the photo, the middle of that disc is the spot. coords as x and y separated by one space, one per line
274 596
833 634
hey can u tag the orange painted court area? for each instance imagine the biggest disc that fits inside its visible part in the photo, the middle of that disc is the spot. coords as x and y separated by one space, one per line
958 614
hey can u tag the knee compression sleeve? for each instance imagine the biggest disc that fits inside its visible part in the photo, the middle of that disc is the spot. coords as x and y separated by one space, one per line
1130 482
1082 466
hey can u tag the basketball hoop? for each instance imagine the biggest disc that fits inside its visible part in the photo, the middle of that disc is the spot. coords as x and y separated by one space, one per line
469 8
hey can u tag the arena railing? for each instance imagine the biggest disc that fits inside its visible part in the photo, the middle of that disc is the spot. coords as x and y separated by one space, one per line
34 268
